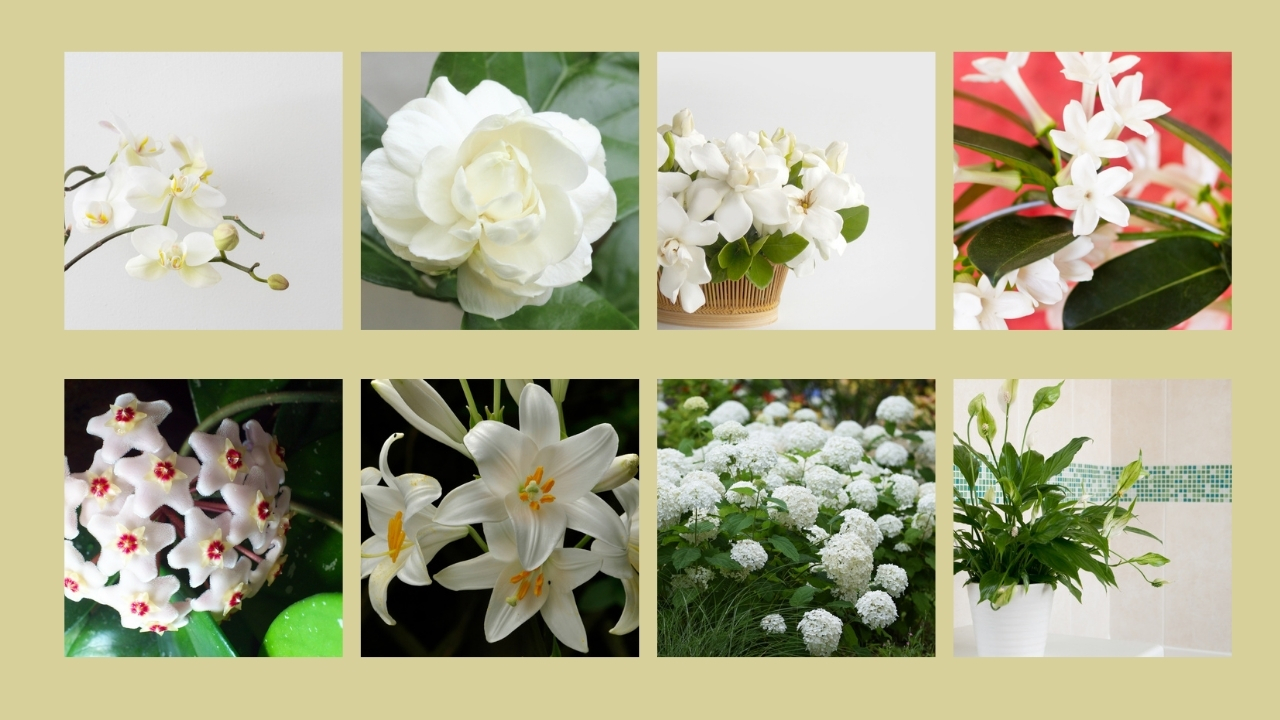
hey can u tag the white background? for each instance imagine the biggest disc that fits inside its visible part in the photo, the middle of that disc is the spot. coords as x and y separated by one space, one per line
271 126
882 104
388 81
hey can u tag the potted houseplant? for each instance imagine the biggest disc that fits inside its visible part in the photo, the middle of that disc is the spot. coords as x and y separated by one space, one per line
735 215
1023 536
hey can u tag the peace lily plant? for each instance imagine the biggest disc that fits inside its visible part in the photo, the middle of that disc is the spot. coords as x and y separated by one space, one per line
1029 531
532 484
133 183
1077 238
740 207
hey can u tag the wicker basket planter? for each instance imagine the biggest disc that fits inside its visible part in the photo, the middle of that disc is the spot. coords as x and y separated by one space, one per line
730 304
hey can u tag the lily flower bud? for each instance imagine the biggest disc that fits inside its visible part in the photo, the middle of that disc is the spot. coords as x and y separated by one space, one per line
622 469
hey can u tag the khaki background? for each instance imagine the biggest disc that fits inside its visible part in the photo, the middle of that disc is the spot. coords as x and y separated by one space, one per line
40 355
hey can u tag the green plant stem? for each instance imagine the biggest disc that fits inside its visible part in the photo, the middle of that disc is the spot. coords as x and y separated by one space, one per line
167 208
100 243
560 411
584 541
236 219
80 168
1057 157
256 401
1024 432
471 402
1162 234
327 519
476 536
222 258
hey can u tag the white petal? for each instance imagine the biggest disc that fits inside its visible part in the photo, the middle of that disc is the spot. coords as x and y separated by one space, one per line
387 191
733 216
538 532
592 516
578 462
539 418
503 455
478 573
145 268
199 275
470 503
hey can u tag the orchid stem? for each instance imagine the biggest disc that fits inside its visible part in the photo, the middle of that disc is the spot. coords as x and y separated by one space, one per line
236 219
307 510
93 176
256 401
222 258
100 243
167 209
476 536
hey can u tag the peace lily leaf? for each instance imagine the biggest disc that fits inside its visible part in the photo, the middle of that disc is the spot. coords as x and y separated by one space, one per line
1151 559
1008 243
855 222
1153 287
1045 397
1059 461
1197 139
307 628
1140 531
760 272
210 395
1035 167
782 249
372 126
577 307
615 267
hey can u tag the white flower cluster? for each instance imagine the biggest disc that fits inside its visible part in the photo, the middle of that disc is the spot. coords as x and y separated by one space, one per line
821 631
743 458
847 560
896 409
729 411
695 577
827 485
840 452
749 554
876 609
892 578
804 438
802 507
891 454
730 431
773 624
139 497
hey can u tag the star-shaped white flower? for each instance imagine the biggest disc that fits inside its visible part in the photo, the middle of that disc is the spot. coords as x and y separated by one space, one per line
680 254
1087 139
1191 175
1071 262
228 588
80 578
252 508
271 567
518 593
222 456
1144 161
160 250
1124 104
1089 69
1092 195
624 563
160 478
993 70
984 307
266 454
129 424
74 491
106 492
130 542
147 605
205 547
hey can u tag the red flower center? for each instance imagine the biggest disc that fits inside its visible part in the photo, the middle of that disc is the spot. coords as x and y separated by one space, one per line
139 608
157 628
99 487
234 460
71 584
215 550
164 471
127 543
280 452
264 510
124 415
235 599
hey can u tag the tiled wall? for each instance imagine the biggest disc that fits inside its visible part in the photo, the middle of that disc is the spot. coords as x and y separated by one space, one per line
1183 428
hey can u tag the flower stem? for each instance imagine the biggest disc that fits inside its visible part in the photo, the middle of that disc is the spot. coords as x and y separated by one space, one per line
100 243
256 401
222 258
583 542
307 510
476 536
80 168
236 219
167 208
471 403
251 555
218 507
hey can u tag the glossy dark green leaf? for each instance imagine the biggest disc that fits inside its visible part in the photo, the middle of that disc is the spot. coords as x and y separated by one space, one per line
298 424
311 627
577 307
1197 139
315 474
1059 461
760 272
1045 397
782 249
211 395
855 222
372 126
1013 241
1036 168
1153 287
967 463
99 634
200 637
380 266
615 267
735 258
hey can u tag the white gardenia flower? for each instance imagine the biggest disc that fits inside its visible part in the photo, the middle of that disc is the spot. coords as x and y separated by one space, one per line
1092 195
740 183
102 204
1039 281
812 211
479 183
992 70
1089 69
680 254
1123 103
1087 139
160 250
983 307
685 138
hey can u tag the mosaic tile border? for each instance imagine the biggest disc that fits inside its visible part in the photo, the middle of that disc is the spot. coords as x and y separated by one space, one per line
1164 483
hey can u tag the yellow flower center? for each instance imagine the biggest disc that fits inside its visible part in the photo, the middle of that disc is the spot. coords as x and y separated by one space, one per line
395 536
535 492
524 581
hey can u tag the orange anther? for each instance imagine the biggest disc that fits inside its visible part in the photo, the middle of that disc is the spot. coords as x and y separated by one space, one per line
548 498
536 477
523 590
537 587
535 505
546 487
524 497
395 535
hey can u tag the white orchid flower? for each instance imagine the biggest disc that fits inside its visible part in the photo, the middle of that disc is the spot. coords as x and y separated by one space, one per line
1087 139
993 70
680 254
624 563
134 150
542 483
160 251
983 307
1089 69
740 183
1092 196
194 200
420 404
1038 281
519 592
406 535
102 204
1124 103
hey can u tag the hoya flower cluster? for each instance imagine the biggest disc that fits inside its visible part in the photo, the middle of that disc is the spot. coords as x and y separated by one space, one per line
530 487
143 179
1008 265
823 517
735 208
222 518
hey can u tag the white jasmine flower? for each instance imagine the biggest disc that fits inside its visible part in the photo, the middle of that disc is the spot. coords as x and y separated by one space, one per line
740 184
848 428
1090 68
1194 173
876 609
1122 102
821 631
847 560
905 490
983 307
773 624
749 554
1087 139
993 70
160 250
890 527
891 455
1071 263
802 507
1092 195
1144 161
680 254
892 578
729 410
730 432
1040 281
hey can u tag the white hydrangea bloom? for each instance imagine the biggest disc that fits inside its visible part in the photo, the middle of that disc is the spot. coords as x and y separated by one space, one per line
804 438
821 631
806 415
897 410
697 577
876 609
902 547
847 560
697 403
764 434
777 411
927 452
870 470
802 507
890 526
863 494
928 489
840 452
696 518
730 432
737 498
891 455
927 504
729 410
861 524
744 458
816 535
749 554
668 505
826 484
670 457
924 522
788 469
848 428
904 489
773 481
698 495
892 578
872 435
670 475
773 624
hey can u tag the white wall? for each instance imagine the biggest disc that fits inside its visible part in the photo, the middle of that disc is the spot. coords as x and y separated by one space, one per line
271 125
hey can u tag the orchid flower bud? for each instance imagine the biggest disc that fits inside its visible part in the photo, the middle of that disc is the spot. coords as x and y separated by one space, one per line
226 237
277 282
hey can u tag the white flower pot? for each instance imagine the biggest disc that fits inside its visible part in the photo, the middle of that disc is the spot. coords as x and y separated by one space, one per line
1019 629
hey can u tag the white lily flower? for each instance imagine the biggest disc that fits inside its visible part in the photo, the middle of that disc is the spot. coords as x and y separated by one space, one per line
1124 104
518 592
134 150
624 563
740 183
993 70
102 204
680 254
620 472
1038 281
1087 139
983 307
422 406
514 387
1089 69
542 483
1072 262
160 251
1092 196
406 535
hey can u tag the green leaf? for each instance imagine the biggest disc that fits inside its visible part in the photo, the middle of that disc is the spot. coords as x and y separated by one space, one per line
1153 287
576 307
785 547
99 634
1059 461
803 595
372 126
735 258
855 222
736 524
760 272
684 557
1045 397
1010 242
211 395
308 628
615 267
996 108
315 472
1197 139
782 249
724 561
380 266
300 424
1036 168
1140 531
200 637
